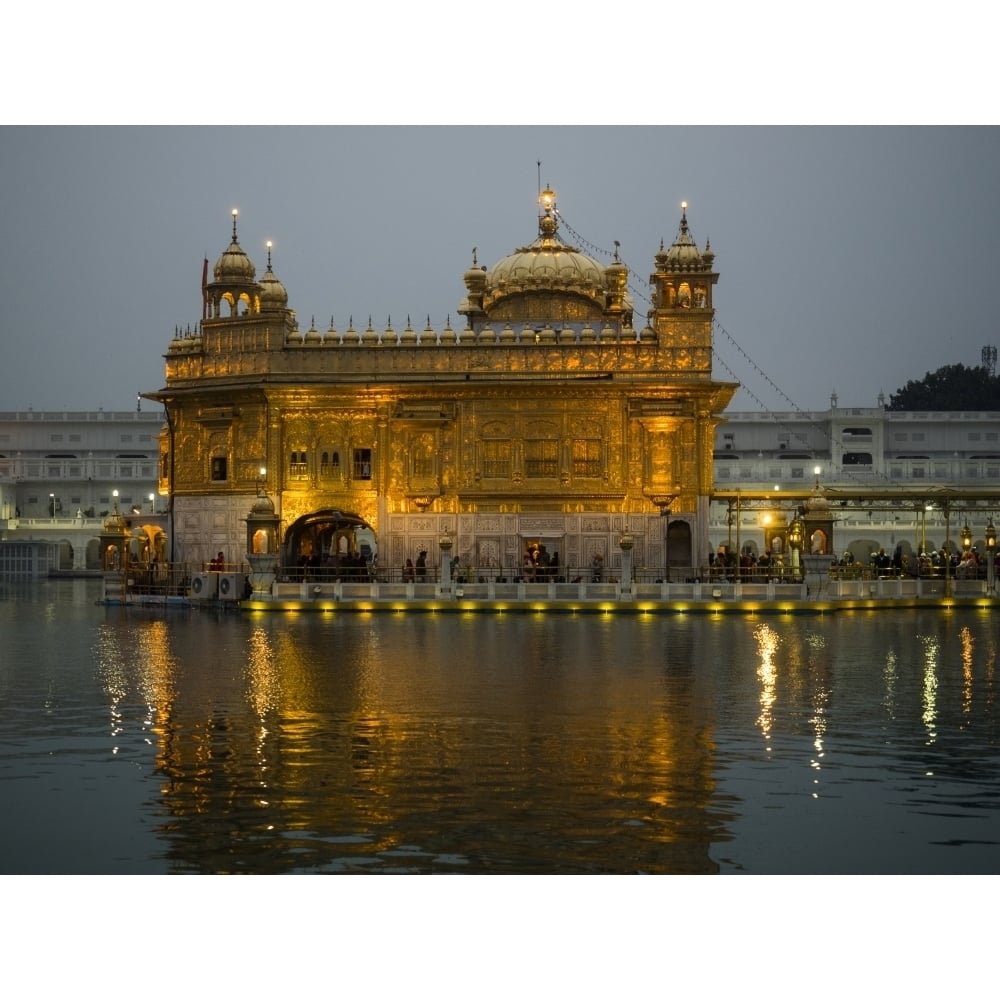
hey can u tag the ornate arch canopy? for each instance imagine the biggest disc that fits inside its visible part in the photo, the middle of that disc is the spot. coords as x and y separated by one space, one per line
318 532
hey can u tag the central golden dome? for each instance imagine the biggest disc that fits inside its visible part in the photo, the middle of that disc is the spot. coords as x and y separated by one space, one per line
546 281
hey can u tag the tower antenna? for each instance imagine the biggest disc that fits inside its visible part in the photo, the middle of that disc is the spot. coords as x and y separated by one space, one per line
990 359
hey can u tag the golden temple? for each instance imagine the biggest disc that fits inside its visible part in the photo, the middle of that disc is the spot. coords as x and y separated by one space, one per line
547 417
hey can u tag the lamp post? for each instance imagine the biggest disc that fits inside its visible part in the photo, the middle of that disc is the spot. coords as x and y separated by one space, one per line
52 506
796 533
152 503
991 549
739 552
946 506
666 544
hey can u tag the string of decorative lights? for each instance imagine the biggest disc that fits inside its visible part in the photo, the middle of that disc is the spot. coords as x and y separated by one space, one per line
753 364
777 420
611 255
796 434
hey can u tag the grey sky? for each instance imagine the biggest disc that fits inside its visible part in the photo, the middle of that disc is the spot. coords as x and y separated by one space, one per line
851 259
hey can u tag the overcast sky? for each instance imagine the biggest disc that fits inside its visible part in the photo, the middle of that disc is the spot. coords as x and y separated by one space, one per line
850 259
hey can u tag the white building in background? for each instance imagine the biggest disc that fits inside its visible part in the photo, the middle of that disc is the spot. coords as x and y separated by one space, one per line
874 459
62 473
59 473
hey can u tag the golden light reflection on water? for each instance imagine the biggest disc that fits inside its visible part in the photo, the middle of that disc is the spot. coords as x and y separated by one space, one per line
263 683
113 671
156 670
767 645
140 658
932 652
264 695
890 674
524 743
968 651
365 737
991 664
819 701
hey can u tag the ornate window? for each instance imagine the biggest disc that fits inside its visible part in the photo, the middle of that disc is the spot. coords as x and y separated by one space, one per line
586 458
423 466
541 458
298 465
218 470
329 465
496 459
362 463
422 457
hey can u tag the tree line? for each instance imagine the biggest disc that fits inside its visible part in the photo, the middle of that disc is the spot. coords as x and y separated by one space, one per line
953 387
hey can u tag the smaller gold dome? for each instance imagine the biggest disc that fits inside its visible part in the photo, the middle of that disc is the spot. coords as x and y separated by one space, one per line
272 291
263 507
817 502
234 265
683 254
273 294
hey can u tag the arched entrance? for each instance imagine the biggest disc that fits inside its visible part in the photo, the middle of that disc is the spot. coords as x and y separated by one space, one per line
65 554
678 550
330 542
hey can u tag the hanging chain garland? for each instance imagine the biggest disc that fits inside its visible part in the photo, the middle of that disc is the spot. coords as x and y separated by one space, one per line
637 292
778 421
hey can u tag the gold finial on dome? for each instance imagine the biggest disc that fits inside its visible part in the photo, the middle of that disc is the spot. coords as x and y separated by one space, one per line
683 254
234 265
547 224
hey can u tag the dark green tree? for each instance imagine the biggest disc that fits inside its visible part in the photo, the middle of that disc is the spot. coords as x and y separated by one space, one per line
953 387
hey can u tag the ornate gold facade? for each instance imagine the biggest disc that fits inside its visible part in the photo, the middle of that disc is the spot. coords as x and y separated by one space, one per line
548 414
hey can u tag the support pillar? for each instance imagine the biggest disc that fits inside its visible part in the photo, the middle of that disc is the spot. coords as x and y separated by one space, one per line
445 543
626 543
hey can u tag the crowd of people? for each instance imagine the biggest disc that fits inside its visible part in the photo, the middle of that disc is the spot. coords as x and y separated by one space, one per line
749 567
416 573
967 565
539 565
345 566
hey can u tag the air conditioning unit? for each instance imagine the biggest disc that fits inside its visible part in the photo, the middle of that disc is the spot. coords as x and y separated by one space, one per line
231 586
205 586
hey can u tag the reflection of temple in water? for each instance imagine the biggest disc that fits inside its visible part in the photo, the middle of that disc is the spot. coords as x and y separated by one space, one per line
300 763
546 417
